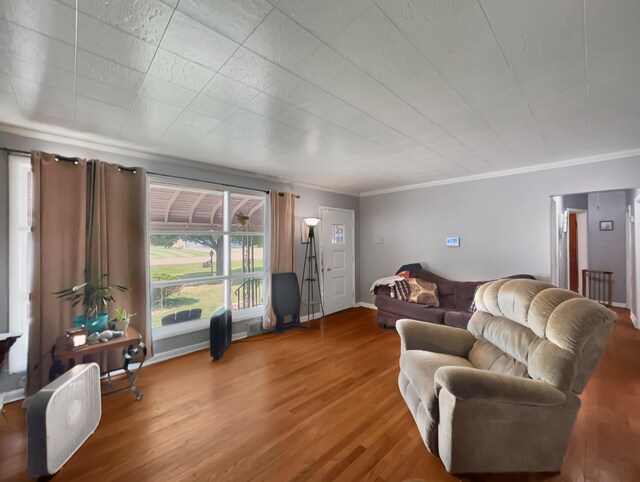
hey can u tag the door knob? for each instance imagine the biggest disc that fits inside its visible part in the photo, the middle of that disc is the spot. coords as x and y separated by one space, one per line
328 269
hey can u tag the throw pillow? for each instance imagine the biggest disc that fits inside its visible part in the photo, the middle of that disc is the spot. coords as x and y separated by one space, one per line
473 308
423 292
402 290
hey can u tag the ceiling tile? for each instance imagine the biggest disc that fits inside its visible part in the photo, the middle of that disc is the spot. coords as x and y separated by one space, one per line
215 108
252 70
152 114
113 44
108 72
145 19
235 19
30 69
193 41
327 69
28 44
261 124
99 116
173 68
104 92
325 18
5 84
281 40
198 121
268 106
229 91
37 100
457 41
613 37
164 91
45 16
183 134
375 45
539 42
245 135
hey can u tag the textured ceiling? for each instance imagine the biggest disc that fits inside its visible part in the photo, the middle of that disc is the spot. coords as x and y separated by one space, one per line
352 95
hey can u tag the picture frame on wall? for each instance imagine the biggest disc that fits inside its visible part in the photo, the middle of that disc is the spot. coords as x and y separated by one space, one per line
606 225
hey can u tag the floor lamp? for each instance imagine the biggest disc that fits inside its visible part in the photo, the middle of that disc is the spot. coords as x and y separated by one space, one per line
310 272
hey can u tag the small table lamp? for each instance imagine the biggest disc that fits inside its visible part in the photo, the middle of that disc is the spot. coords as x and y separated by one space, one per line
77 336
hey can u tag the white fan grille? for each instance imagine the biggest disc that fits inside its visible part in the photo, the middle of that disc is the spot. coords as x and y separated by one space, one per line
72 415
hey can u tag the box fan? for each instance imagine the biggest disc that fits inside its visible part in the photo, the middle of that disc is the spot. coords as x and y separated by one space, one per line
61 417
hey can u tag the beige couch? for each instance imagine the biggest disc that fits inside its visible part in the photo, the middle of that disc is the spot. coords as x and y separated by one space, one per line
502 395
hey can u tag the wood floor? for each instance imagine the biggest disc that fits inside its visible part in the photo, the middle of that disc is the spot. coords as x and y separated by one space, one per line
314 405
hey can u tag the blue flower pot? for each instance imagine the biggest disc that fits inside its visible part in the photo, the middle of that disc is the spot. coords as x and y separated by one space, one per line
95 325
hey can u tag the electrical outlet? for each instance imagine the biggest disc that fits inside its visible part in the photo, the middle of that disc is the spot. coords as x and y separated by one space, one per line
378 240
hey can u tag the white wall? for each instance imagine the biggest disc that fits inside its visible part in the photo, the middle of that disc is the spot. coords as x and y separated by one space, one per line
503 222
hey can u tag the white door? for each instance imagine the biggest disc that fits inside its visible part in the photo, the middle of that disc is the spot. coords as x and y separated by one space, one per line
337 239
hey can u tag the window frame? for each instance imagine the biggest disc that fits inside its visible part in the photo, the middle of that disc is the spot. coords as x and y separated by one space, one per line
169 331
20 275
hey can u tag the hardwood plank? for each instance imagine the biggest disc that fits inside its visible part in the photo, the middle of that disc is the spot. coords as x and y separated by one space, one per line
315 405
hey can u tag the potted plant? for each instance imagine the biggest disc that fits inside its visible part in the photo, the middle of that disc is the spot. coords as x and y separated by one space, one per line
121 321
94 296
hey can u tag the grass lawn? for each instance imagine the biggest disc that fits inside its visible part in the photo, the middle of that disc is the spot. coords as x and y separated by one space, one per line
194 270
159 252
207 297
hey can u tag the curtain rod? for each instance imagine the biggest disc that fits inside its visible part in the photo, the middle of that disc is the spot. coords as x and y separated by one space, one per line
73 159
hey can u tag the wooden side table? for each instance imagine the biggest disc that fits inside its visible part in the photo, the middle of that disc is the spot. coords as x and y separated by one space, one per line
66 356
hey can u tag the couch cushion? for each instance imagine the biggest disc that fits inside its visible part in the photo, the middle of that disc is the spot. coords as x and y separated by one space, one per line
458 319
413 311
463 293
420 368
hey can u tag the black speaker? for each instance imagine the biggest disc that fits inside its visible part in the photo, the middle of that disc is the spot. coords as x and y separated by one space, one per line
219 333
285 300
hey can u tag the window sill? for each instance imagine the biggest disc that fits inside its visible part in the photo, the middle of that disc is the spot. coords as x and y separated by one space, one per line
169 331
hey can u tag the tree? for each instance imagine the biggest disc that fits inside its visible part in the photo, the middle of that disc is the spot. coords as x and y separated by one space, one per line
214 242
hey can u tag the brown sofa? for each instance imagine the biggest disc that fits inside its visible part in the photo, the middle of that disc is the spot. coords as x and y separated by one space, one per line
455 297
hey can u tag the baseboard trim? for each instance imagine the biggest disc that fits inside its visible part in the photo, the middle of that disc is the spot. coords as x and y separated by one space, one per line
185 350
617 304
362 304
313 316
634 320
11 396
176 352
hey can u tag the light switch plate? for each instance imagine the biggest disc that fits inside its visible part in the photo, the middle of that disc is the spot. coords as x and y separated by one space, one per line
378 240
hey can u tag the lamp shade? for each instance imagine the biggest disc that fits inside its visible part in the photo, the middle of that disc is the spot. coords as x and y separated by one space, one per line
311 222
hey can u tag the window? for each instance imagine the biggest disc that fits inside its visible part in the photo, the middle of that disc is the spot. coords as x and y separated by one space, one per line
20 256
206 252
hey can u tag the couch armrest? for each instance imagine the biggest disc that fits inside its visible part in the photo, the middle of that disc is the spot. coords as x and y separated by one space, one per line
422 335
475 384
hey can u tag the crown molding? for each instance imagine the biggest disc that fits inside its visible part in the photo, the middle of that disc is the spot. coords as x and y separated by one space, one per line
321 188
508 172
99 143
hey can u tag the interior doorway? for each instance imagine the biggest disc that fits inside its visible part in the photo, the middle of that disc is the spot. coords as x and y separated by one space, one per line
577 247
337 248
